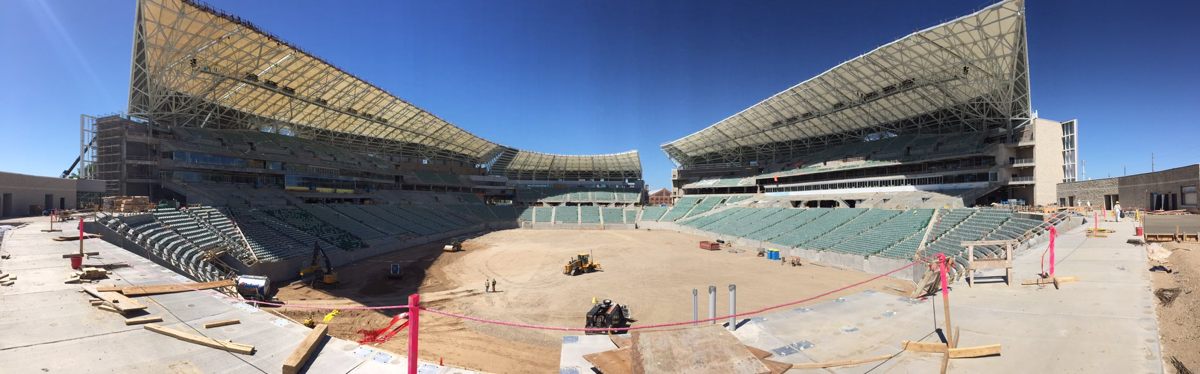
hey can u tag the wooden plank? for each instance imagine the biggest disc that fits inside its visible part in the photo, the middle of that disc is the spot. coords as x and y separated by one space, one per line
173 288
2 276
962 352
115 300
1045 281
141 320
839 363
704 349
617 361
776 367
305 350
70 255
758 353
222 323
621 341
229 346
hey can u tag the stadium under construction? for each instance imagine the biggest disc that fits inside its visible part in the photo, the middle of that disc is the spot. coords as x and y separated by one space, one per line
242 158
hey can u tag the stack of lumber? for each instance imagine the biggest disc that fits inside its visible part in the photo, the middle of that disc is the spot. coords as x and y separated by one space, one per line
7 279
127 204
87 274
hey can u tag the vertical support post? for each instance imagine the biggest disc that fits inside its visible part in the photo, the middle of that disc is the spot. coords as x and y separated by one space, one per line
945 299
695 306
732 307
414 307
1053 234
712 304
81 237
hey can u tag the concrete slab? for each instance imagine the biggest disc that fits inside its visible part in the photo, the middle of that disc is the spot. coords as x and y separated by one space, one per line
1105 322
50 326
574 347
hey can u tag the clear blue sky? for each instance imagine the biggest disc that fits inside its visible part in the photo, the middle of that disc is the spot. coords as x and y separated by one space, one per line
607 76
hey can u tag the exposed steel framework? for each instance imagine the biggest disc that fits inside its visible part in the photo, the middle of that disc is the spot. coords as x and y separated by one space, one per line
968 74
197 67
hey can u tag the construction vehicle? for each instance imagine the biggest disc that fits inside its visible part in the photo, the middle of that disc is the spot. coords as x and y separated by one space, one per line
607 314
395 271
325 274
454 246
581 263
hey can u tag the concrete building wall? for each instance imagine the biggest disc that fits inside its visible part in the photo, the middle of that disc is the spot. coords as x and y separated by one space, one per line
1135 190
1048 161
24 195
1084 192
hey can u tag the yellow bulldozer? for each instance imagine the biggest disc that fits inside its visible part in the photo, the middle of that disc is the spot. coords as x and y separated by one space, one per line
581 263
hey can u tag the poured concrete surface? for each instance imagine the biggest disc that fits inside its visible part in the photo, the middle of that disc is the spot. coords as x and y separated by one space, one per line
1105 322
49 326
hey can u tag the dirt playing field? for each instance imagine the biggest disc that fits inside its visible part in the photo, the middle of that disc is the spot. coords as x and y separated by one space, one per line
1178 302
653 272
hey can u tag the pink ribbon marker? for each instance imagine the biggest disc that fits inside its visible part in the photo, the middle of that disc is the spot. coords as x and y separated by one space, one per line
942 268
1053 234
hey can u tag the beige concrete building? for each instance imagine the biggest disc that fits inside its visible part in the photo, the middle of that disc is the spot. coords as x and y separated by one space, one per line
26 195
1044 156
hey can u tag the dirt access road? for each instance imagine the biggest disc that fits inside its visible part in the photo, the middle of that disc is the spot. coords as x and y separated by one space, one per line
653 272
1179 305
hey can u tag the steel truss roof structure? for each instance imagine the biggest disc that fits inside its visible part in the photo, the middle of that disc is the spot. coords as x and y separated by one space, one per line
968 74
527 165
195 66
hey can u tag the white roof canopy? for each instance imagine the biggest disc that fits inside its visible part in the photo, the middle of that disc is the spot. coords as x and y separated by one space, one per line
966 74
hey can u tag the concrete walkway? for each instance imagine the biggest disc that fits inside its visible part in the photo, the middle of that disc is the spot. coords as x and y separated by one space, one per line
1104 323
49 326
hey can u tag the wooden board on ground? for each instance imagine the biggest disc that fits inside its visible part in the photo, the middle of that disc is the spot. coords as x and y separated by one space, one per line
705 349
141 320
621 341
758 353
776 366
157 289
222 323
229 346
617 361
1047 281
68 238
115 300
960 352
305 350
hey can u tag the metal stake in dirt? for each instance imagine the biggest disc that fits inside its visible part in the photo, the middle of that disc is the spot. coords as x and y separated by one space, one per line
732 307
712 304
414 307
695 306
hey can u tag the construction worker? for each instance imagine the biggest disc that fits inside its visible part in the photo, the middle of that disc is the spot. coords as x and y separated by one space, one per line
485 286
493 285
1117 211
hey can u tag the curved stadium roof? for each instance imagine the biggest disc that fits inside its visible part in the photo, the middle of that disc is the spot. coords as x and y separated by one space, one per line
518 164
968 74
195 66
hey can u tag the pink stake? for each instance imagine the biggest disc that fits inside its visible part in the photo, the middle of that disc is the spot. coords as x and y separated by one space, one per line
1053 234
414 308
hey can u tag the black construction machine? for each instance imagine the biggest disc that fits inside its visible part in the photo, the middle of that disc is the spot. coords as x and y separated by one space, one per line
607 314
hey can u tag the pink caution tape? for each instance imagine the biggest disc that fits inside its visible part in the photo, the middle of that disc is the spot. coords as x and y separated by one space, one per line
670 324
